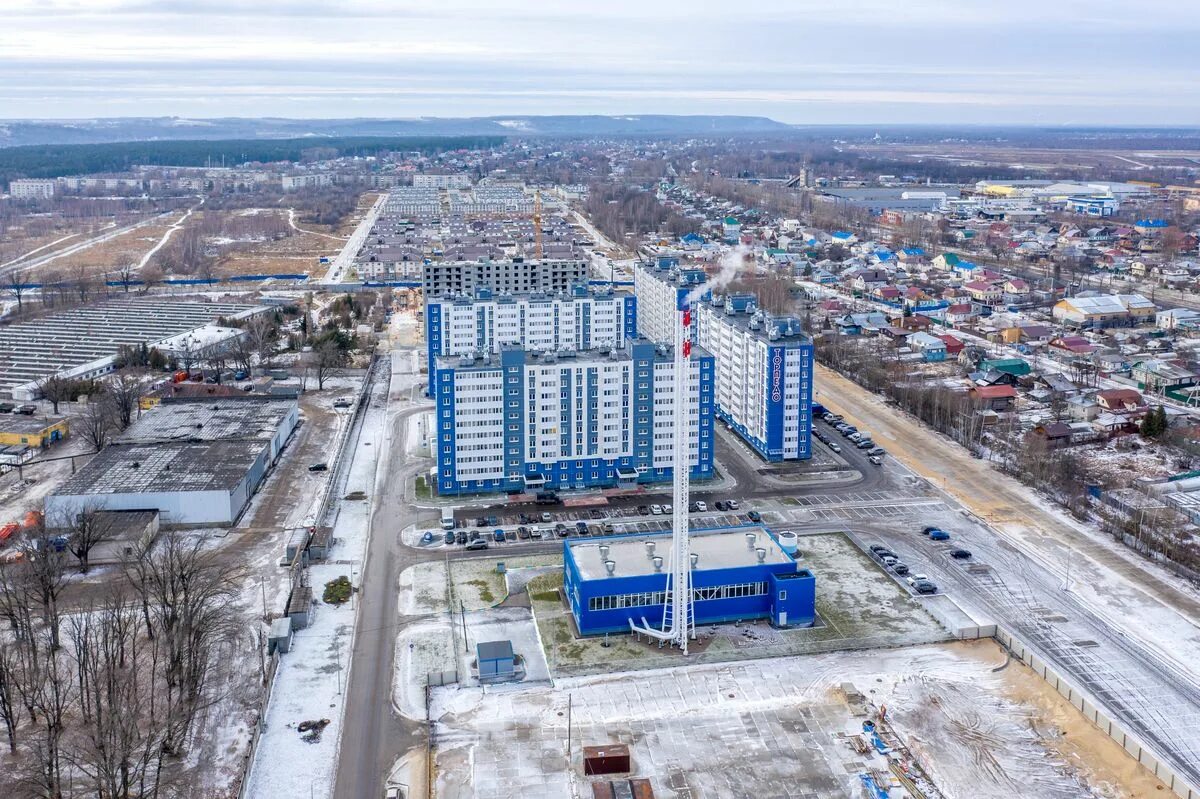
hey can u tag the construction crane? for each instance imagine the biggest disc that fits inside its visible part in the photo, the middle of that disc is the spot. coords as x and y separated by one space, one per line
537 224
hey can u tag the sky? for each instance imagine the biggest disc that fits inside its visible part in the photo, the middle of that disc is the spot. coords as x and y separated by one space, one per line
1056 62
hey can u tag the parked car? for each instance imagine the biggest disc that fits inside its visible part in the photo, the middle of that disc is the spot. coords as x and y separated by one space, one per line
865 443
546 498
702 507
875 459
836 447
561 530
607 528
900 568
855 437
925 587
427 538
961 554
879 452
722 505
535 533
7 407
461 537
319 467
498 535
523 533
581 528
477 545
939 535
928 530
342 403
667 508
643 510
913 579
754 516
733 504
449 536
656 510
877 548
545 517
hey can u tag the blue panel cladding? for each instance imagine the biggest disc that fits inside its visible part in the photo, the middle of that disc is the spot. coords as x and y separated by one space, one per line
705 405
643 405
446 443
592 412
806 400
776 389
513 364
630 317
433 341
793 598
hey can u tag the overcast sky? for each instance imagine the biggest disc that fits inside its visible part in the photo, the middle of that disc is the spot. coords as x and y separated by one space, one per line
803 61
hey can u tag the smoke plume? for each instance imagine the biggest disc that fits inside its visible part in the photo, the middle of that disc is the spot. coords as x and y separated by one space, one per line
728 268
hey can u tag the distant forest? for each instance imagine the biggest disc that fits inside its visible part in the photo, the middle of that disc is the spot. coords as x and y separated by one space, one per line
57 160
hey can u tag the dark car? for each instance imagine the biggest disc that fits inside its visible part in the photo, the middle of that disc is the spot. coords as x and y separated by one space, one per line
883 552
643 510
461 537
722 505
319 467
877 548
754 516
498 535
928 530
477 544
449 536
547 498
6 407
581 528
961 554
561 530
925 587
523 533
900 569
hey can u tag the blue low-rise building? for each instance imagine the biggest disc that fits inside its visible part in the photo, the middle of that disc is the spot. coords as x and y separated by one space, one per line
739 573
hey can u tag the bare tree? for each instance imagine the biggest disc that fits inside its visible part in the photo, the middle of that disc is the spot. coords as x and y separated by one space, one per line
57 389
84 281
17 286
261 334
327 360
85 530
96 423
122 394
43 571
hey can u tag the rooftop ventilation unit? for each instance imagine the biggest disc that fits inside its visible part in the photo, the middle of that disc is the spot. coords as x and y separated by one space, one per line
611 567
695 559
650 549
761 553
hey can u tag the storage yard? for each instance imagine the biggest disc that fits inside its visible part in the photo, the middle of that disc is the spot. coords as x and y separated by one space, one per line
964 720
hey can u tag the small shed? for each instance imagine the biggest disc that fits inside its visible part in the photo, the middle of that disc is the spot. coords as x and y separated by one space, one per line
606 759
496 661
279 639
299 606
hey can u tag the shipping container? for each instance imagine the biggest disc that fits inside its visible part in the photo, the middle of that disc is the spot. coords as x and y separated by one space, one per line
608 759
641 789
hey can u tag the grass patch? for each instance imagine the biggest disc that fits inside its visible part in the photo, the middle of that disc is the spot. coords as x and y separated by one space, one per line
337 591
485 590
422 487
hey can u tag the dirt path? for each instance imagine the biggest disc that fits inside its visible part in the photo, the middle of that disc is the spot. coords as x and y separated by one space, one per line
998 499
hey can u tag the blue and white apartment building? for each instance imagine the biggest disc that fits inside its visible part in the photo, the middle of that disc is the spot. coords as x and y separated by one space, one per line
523 420
572 321
764 364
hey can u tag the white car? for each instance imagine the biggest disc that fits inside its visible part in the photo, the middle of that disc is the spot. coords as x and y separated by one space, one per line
913 579
733 505
656 510
702 507
667 508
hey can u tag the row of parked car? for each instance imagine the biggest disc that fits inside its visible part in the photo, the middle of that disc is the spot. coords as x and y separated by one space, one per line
851 433
918 582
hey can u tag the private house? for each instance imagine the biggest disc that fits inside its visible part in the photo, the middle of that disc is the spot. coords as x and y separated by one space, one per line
1054 435
1073 345
953 345
1013 366
1104 310
959 313
984 293
1120 400
932 348
1158 376
993 398
1016 291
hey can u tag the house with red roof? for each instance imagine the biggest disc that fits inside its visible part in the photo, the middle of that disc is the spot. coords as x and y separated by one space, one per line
997 398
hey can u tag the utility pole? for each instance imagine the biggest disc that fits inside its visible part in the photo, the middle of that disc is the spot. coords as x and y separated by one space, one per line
462 609
569 705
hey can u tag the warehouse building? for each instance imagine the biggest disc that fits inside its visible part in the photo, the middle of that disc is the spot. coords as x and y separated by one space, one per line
578 320
83 342
764 364
764 375
738 573
196 462
28 431
521 420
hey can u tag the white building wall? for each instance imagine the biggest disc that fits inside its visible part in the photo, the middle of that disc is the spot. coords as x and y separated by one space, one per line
174 507
479 424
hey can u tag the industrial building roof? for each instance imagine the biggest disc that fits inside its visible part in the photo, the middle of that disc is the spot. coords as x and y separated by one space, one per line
158 467
724 548
74 338
28 424
210 419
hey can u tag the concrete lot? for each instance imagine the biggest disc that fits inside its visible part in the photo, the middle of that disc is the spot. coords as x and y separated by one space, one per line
780 728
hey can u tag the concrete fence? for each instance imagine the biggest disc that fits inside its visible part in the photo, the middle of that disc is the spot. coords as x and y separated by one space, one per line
1092 712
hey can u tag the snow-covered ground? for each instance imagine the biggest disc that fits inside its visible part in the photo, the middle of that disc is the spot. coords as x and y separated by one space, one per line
312 677
983 729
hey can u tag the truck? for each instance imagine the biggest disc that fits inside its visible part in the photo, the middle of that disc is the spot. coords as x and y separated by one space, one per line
447 518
